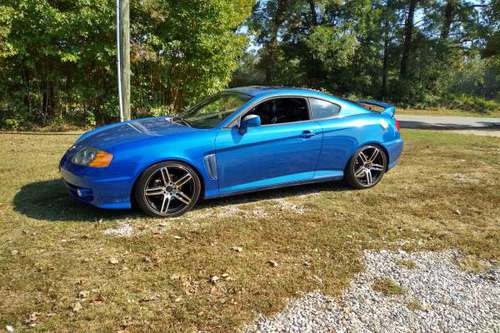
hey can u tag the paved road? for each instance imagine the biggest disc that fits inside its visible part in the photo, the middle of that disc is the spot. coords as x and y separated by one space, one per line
466 125
448 122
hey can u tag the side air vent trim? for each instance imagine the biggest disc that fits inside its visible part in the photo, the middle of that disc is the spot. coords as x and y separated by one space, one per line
211 165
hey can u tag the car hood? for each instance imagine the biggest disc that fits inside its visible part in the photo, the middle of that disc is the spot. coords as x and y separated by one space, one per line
107 137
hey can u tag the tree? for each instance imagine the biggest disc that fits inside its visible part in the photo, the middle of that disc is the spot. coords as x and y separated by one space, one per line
448 15
58 56
193 46
407 39
267 19
55 46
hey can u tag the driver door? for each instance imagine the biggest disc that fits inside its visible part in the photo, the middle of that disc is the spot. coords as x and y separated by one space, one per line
284 149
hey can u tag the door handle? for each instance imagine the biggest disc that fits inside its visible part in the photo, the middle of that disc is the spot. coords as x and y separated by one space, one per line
307 134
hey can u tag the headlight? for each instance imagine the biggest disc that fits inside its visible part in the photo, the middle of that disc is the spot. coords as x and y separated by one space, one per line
92 157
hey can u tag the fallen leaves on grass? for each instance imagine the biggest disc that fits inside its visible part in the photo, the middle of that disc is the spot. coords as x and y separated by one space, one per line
315 234
113 261
76 307
237 248
273 263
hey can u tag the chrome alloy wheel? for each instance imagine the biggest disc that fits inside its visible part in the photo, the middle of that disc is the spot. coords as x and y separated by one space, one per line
369 165
170 189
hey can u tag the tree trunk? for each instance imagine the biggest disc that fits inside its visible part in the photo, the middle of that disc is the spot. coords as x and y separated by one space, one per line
448 13
27 84
270 61
407 42
272 46
48 106
385 64
314 17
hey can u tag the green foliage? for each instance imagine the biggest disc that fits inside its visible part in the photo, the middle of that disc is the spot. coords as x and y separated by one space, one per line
57 58
11 123
7 14
332 48
472 103
194 45
356 47
479 77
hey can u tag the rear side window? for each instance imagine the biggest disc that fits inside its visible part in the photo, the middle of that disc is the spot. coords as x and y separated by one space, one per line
322 109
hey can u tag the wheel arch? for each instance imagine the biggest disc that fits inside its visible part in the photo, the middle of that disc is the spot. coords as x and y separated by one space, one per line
178 160
371 143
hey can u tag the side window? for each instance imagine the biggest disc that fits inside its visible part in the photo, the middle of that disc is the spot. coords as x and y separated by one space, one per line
322 109
281 110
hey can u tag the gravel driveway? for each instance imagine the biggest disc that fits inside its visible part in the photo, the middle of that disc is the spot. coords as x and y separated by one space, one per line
436 297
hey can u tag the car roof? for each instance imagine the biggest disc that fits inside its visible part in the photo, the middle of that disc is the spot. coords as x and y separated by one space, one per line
270 91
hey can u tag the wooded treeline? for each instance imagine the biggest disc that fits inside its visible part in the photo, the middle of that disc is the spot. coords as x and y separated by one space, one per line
57 57
415 51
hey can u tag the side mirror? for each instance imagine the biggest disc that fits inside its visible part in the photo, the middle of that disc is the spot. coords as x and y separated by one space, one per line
252 120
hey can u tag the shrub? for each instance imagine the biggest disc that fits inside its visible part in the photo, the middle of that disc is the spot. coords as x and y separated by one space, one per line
11 123
472 103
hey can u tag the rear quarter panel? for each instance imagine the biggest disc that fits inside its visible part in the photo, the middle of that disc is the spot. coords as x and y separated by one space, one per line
343 135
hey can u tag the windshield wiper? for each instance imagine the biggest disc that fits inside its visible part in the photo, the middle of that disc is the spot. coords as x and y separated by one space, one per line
181 121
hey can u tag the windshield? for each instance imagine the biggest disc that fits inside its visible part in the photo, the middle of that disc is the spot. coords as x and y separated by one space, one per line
214 109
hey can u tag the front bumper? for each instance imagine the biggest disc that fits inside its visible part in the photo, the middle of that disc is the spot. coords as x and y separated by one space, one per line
98 187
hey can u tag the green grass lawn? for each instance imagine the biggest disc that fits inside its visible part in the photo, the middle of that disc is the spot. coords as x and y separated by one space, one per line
60 272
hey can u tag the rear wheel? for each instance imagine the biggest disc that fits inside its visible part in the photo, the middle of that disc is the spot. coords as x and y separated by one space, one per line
367 167
168 189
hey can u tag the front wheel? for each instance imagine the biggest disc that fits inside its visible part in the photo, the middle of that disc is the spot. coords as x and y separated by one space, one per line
167 189
367 167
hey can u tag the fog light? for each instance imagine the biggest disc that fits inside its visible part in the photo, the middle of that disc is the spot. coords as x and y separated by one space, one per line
84 192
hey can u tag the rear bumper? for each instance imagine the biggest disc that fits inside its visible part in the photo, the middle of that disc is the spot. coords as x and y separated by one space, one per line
394 148
92 186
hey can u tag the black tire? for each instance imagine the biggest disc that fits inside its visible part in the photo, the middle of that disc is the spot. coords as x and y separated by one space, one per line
167 189
356 174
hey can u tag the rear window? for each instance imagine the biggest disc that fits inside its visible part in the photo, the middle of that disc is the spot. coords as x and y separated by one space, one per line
322 109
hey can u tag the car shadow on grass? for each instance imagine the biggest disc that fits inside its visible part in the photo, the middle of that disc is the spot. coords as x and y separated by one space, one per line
50 201
277 193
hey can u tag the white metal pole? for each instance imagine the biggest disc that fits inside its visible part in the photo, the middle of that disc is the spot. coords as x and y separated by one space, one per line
118 59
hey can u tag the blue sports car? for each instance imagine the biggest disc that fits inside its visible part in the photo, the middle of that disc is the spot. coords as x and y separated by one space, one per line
243 139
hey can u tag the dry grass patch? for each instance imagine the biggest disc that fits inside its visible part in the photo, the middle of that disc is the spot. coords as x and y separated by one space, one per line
408 264
387 287
473 264
159 278
415 305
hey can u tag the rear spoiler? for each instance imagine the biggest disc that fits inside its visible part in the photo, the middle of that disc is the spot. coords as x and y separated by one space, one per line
389 109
